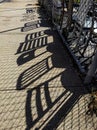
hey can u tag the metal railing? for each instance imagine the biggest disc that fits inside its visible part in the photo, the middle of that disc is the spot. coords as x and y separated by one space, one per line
78 27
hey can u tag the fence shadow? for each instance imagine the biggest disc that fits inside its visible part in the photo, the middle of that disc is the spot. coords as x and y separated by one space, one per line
47 106
35 24
48 103
32 42
32 74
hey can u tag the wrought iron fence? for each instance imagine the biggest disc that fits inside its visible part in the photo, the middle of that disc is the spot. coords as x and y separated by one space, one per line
77 24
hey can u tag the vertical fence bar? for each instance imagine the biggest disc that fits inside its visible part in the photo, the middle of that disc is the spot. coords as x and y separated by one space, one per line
92 70
70 12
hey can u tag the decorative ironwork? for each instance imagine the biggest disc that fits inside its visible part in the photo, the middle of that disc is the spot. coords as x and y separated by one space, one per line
82 41
78 24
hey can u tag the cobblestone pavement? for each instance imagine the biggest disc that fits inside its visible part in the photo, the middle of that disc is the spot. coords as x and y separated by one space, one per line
39 88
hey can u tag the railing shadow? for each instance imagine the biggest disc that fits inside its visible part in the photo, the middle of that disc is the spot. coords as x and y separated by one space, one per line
41 103
41 109
58 105
32 74
48 104
32 42
31 16
35 24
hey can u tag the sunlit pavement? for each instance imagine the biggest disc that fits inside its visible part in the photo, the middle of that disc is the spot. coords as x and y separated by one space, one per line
39 87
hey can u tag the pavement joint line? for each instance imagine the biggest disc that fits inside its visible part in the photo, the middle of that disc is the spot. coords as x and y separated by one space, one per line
41 87
13 9
5 31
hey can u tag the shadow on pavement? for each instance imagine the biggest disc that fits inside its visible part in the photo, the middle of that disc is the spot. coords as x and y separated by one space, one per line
32 74
5 1
52 102
32 42
52 109
48 103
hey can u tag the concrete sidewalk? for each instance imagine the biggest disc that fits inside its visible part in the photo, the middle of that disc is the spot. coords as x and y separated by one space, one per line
39 87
